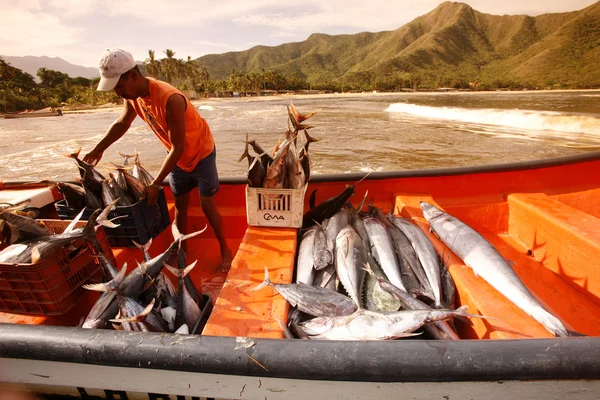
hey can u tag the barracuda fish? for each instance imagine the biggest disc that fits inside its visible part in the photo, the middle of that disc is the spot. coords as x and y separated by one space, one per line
369 325
428 256
256 170
350 258
479 254
311 300
188 310
441 330
305 271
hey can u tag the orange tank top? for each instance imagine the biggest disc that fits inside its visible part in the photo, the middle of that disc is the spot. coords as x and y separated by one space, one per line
199 141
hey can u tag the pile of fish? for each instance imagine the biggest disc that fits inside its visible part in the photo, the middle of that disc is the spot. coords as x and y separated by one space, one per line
145 299
369 276
285 167
30 242
356 270
96 191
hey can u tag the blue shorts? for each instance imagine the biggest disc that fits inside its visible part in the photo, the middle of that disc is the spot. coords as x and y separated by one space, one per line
204 177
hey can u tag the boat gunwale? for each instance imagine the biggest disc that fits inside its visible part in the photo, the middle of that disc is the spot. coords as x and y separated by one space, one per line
573 358
411 173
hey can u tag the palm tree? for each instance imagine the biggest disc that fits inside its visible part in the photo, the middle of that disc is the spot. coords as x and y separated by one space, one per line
153 66
169 66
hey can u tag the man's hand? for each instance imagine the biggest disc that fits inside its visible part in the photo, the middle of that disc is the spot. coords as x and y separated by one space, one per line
152 192
93 157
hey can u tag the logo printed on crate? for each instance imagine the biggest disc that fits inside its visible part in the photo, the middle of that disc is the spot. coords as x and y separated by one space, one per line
269 217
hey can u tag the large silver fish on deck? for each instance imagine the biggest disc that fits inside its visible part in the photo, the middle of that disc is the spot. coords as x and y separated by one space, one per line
315 301
350 259
479 254
368 325
429 258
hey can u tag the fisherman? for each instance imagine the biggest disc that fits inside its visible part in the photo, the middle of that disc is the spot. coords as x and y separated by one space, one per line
191 159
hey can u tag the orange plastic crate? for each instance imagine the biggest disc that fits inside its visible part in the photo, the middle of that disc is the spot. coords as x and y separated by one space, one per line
52 286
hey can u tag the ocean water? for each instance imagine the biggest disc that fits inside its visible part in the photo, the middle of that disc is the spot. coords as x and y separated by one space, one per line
359 133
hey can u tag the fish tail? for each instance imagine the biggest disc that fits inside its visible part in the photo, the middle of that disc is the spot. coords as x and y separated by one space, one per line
462 312
111 285
265 283
310 139
246 152
141 317
181 237
102 218
74 155
144 247
180 273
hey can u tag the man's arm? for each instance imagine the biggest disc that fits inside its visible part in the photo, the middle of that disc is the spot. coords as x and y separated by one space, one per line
114 133
176 106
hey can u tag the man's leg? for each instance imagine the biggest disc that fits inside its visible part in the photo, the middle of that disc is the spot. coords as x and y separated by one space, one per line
216 222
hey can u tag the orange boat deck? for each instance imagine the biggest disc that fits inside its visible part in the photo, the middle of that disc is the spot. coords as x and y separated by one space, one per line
544 220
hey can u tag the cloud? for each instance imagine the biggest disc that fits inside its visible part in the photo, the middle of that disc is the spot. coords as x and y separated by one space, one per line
28 30
283 34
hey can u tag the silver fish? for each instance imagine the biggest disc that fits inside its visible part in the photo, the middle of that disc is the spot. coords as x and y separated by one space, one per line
369 325
438 330
28 228
383 250
428 256
136 317
311 300
350 259
188 310
479 254
323 249
305 272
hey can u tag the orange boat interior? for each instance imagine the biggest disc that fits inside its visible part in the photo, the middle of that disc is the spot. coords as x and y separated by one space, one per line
545 221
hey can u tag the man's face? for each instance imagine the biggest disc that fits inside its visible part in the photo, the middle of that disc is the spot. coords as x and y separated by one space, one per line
125 87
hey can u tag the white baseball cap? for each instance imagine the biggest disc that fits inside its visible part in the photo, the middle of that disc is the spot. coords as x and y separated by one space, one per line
113 63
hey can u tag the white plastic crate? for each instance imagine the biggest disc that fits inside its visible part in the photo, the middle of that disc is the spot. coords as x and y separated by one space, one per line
281 208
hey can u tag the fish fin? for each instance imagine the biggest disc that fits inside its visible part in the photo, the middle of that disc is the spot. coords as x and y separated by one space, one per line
575 333
108 286
102 218
361 179
313 199
71 226
406 334
265 283
35 255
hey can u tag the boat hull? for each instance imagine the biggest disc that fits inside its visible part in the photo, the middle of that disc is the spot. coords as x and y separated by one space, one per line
100 363
542 215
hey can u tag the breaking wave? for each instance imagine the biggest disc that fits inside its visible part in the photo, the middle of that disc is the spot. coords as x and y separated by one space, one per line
521 119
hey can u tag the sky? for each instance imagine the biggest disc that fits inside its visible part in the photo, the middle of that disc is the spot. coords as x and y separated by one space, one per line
80 30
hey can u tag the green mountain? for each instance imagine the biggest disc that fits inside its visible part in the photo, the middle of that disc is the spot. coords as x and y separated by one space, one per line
452 45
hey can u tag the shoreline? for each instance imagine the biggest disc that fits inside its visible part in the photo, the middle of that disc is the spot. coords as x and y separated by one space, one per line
196 102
